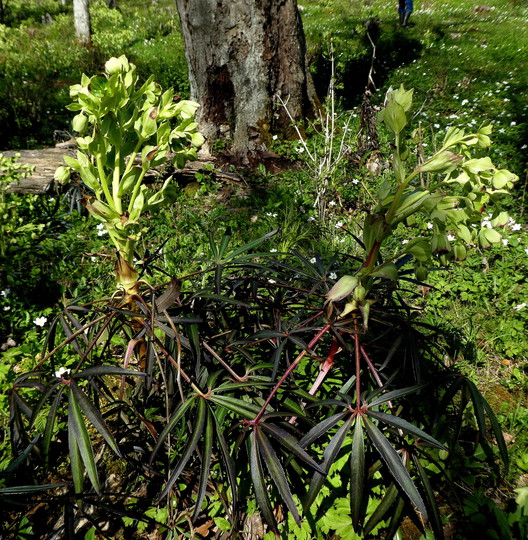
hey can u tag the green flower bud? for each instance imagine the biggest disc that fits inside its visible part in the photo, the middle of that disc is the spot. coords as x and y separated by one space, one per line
62 175
79 123
359 293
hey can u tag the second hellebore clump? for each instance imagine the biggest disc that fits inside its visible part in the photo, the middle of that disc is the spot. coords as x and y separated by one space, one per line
117 122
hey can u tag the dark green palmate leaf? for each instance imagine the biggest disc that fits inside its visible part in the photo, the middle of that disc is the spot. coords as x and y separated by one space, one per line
95 417
357 473
259 482
80 447
290 443
175 418
329 456
482 409
22 490
196 434
207 453
50 423
276 472
430 498
409 428
394 464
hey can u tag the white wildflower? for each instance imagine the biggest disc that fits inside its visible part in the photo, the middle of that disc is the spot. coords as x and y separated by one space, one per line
40 321
313 260
273 250
101 230
332 275
405 242
430 226
504 241
332 203
61 372
519 306
451 237
5 292
339 224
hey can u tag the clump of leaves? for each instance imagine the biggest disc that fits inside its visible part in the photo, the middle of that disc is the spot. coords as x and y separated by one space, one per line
120 122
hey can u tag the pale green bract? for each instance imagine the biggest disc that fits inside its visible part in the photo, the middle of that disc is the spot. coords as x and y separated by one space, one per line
124 131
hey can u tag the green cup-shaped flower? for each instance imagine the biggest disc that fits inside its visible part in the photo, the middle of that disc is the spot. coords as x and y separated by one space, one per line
117 65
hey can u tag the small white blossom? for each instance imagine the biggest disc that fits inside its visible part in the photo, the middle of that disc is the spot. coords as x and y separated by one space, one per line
274 137
5 292
62 371
513 124
355 181
526 251
332 203
339 224
300 149
273 250
270 214
451 237
40 321
405 242
101 230
516 227
313 260
519 306
332 275
504 241
430 226
93 259
271 281
311 218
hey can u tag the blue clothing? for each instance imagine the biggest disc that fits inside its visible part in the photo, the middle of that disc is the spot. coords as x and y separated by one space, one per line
405 6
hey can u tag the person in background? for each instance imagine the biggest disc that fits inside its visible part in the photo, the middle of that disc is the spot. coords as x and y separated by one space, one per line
405 8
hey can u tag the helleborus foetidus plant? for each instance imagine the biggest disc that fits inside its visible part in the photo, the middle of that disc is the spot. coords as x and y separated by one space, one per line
125 130
460 188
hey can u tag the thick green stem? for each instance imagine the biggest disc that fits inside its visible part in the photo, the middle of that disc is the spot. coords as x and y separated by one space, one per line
135 193
116 180
104 184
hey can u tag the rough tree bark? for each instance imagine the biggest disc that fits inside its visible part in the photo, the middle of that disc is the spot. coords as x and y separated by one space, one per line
81 18
243 55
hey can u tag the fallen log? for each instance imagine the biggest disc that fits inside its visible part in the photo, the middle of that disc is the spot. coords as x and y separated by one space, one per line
46 161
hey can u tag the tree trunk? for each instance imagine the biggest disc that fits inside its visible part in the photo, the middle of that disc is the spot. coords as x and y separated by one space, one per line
244 56
81 18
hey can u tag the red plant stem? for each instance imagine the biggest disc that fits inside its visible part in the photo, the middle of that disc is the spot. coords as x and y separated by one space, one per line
287 373
373 255
358 366
371 366
225 364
